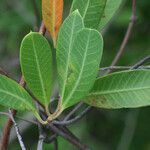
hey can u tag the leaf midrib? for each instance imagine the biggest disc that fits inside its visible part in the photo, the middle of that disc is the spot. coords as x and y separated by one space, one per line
119 91
86 8
39 72
81 71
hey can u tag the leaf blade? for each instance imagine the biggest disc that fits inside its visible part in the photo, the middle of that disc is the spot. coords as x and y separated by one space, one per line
36 64
126 90
84 62
69 29
90 10
14 96
52 11
110 9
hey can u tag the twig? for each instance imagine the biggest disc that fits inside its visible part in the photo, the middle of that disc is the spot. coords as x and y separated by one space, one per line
141 62
68 137
73 111
65 133
68 122
42 29
42 134
17 131
40 144
126 37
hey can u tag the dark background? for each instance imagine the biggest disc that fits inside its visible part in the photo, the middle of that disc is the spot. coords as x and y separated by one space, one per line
123 129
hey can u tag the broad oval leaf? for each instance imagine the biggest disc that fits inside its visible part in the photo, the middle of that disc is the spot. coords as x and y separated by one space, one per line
82 66
90 10
52 12
126 89
14 96
110 9
36 65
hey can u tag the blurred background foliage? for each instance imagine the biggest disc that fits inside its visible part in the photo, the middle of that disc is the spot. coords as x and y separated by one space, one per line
101 129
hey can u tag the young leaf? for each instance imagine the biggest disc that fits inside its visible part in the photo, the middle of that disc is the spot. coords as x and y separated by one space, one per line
90 10
110 9
14 96
36 65
125 89
78 73
52 11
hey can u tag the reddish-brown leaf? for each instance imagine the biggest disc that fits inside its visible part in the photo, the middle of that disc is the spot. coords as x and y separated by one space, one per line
52 12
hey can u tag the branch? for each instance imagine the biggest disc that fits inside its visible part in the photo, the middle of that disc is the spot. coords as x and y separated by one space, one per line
73 111
42 135
64 132
17 131
141 62
10 115
126 37
68 122
68 137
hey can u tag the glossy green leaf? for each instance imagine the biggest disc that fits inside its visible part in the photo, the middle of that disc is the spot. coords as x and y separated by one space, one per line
78 66
110 9
90 10
12 95
127 89
36 65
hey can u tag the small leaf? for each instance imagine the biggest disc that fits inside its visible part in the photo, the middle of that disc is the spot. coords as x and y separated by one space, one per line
52 11
110 9
36 65
90 10
78 73
14 96
127 89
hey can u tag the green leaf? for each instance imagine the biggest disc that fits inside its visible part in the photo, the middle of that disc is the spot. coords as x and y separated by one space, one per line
36 65
110 9
67 33
90 10
78 72
14 96
127 89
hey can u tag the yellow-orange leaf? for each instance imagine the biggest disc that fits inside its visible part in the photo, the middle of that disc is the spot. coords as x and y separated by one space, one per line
52 11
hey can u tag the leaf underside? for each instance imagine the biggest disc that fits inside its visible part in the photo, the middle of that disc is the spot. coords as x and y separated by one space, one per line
12 95
127 89
52 12
78 62
66 36
36 65
90 10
